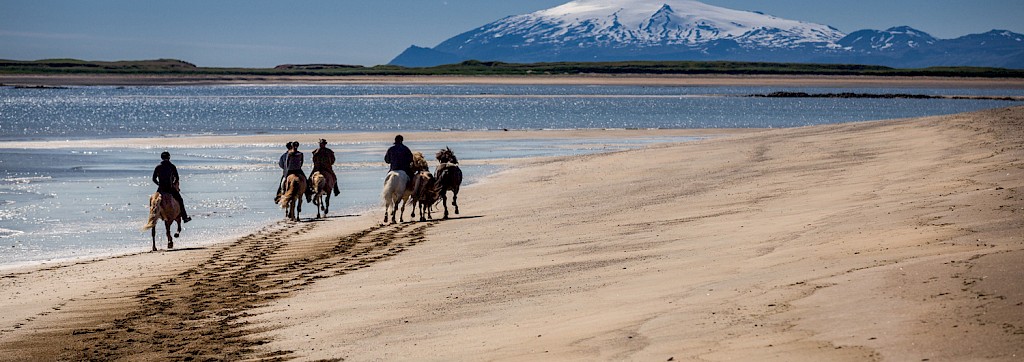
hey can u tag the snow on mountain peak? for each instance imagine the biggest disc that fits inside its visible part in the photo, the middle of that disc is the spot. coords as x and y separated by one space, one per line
670 21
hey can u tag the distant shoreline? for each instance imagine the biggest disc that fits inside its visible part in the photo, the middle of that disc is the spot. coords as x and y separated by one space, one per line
58 80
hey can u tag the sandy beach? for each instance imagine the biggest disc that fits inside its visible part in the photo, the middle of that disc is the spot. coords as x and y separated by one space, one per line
897 240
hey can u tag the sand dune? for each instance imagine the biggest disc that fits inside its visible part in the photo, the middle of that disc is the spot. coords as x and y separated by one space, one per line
894 240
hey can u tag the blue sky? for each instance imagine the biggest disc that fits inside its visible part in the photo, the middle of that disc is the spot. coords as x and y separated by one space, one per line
259 33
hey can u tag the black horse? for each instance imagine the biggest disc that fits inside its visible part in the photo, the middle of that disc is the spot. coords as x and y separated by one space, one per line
448 177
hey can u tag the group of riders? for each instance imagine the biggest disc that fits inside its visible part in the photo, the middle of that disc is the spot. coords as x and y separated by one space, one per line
291 164
398 156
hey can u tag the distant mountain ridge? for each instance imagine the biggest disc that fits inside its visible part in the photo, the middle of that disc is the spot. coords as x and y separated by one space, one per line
617 30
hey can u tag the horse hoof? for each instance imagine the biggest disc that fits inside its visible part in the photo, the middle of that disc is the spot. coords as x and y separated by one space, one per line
154 249
170 245
176 235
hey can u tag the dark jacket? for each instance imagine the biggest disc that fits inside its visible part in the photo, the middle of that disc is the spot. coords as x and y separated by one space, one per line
165 175
323 159
399 156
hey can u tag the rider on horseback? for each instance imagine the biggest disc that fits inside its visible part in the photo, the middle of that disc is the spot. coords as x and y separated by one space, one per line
399 156
291 164
166 177
323 160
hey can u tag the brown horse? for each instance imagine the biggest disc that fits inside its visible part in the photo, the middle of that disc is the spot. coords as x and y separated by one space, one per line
424 194
323 183
449 178
162 206
291 196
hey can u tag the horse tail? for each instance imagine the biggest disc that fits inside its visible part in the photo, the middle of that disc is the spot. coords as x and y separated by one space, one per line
319 181
292 189
154 211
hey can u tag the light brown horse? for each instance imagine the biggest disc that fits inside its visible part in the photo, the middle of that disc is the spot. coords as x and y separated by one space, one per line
323 183
162 206
291 196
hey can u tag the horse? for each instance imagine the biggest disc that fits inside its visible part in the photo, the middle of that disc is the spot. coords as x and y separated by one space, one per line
448 177
323 183
395 191
291 196
163 206
424 195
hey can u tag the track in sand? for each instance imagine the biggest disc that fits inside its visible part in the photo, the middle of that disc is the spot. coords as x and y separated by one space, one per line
202 313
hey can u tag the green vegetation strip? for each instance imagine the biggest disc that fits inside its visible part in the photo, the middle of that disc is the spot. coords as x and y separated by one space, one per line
473 67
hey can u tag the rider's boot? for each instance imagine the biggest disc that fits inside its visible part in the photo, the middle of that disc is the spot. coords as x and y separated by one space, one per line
280 185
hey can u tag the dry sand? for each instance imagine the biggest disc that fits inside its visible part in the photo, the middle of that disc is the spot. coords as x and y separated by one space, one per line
896 240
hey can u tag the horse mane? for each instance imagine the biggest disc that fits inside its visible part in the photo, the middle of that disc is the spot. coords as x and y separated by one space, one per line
446 156
419 163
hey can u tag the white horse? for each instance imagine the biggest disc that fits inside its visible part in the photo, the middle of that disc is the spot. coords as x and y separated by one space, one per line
395 186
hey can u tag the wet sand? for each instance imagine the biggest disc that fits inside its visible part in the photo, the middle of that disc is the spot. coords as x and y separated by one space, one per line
894 240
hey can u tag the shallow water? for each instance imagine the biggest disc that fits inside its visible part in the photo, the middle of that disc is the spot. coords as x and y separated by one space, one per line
90 112
68 203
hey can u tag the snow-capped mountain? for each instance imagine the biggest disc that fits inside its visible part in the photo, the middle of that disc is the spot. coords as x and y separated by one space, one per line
610 30
646 23
891 40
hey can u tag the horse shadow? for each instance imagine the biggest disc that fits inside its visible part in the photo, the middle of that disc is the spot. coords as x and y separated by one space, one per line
452 218
193 248
448 219
327 218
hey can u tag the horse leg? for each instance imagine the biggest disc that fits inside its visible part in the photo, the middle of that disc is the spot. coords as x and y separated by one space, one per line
167 227
177 234
153 234
455 200
298 208
444 201
317 203
327 203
